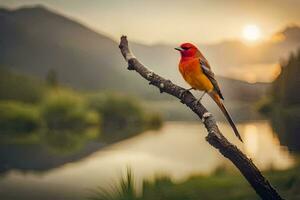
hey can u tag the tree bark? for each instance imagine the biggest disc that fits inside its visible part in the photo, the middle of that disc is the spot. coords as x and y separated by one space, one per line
215 138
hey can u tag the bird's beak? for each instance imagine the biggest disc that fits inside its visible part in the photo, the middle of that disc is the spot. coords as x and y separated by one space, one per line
178 49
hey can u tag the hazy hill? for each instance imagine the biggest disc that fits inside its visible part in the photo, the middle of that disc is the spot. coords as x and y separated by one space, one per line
35 40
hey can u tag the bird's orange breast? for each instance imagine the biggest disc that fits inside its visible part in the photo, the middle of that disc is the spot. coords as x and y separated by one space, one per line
194 76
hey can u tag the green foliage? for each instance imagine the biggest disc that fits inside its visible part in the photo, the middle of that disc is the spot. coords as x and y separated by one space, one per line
18 87
16 117
124 191
123 113
223 184
153 121
63 109
119 111
287 84
92 118
210 187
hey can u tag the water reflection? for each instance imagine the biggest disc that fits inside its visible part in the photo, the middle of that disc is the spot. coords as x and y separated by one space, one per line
287 126
49 149
251 140
179 149
263 146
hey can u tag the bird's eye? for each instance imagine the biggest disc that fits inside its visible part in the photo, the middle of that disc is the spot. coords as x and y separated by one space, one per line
186 48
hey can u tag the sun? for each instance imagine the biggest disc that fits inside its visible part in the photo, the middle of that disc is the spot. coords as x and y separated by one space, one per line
251 33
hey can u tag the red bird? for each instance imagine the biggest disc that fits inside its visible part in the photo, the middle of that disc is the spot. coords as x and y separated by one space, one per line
197 72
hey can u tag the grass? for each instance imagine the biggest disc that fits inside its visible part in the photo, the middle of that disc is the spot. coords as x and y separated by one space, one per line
228 185
124 191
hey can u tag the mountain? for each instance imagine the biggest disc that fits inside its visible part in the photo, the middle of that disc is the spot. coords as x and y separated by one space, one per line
35 40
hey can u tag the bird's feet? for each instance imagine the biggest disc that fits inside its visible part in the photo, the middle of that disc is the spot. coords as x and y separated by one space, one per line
184 92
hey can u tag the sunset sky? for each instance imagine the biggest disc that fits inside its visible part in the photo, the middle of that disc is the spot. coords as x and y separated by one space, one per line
176 20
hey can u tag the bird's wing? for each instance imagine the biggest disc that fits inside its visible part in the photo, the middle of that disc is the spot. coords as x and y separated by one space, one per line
210 75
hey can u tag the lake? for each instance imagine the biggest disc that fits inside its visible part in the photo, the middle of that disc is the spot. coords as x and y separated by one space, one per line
178 150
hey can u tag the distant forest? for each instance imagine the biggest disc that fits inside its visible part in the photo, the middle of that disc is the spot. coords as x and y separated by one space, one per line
285 90
283 104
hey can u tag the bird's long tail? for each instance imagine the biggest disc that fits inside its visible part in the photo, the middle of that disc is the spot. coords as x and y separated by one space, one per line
214 95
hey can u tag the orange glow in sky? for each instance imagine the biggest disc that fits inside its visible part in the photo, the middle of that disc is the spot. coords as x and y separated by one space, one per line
174 21
251 33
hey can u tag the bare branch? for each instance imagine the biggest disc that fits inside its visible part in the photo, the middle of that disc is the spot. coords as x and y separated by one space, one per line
262 187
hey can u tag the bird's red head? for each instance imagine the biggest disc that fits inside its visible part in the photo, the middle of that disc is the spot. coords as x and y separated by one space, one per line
187 50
